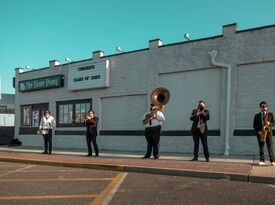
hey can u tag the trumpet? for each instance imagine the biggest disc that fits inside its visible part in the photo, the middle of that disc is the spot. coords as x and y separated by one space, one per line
198 112
89 119
195 113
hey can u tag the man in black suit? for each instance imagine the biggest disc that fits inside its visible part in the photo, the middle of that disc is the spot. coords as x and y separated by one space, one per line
91 132
199 129
264 118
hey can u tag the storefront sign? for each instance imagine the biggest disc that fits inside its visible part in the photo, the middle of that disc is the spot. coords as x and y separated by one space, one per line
89 76
41 83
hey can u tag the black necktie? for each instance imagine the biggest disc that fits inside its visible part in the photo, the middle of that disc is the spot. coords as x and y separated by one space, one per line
150 122
263 120
263 116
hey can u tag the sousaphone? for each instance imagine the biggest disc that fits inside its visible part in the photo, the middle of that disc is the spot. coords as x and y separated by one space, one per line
159 97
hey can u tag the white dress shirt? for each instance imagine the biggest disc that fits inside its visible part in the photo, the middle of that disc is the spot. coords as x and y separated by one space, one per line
159 118
47 123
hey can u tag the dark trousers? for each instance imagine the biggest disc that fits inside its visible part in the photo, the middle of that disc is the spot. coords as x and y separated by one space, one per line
269 147
197 135
152 135
48 141
91 139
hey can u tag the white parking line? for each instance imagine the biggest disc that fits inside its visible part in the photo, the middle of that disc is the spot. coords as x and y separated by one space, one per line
17 170
68 179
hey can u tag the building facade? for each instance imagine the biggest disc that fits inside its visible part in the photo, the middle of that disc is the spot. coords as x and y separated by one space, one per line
7 109
232 72
6 118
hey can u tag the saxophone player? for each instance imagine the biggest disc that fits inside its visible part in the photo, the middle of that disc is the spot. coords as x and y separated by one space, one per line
263 122
199 129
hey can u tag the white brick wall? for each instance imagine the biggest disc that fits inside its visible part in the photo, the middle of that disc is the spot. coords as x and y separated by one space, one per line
186 69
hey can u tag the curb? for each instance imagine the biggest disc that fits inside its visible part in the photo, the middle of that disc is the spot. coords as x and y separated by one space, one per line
188 173
145 170
260 179
64 164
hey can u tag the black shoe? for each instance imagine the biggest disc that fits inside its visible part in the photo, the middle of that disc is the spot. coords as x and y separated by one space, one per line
194 159
145 157
50 152
207 160
89 155
96 155
156 157
45 152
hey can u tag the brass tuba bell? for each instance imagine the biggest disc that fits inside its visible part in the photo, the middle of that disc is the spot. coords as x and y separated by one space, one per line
159 97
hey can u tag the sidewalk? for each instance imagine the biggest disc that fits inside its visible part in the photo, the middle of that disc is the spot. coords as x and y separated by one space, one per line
220 167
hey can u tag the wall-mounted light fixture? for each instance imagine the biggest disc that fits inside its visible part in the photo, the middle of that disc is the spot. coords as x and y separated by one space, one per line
186 36
68 60
119 49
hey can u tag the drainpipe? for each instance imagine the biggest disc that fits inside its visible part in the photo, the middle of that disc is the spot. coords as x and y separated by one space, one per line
213 55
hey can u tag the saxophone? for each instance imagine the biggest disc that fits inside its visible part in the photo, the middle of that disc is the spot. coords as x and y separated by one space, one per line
202 124
265 129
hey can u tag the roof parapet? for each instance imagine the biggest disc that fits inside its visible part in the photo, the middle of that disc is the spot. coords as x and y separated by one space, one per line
230 29
155 43
97 54
54 63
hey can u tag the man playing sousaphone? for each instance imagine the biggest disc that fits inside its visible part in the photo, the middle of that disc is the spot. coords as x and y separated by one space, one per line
153 121
199 129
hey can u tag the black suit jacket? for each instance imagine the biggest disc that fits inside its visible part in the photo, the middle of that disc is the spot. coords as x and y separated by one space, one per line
257 123
195 120
92 127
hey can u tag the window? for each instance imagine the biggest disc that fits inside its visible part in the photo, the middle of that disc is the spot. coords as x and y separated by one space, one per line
26 118
71 113
66 114
31 114
81 110
35 118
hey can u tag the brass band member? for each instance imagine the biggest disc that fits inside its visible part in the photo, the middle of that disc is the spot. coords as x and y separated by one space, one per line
47 123
152 131
199 130
91 133
263 122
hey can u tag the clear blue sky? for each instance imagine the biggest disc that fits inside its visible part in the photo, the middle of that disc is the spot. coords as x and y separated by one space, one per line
36 31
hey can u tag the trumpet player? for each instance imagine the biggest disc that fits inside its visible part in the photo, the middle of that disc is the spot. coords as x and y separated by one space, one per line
263 122
91 133
153 121
199 129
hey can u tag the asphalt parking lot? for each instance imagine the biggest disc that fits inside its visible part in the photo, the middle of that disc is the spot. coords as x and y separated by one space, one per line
32 184
36 185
